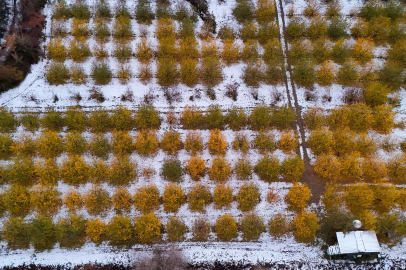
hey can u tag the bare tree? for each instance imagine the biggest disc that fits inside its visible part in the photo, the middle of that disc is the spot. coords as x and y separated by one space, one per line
163 259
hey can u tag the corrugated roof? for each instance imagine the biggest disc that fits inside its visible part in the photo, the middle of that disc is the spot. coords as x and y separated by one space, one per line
358 242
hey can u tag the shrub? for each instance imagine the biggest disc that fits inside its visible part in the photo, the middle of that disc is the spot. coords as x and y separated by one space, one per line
122 201
231 51
267 31
373 170
57 74
201 230
96 231
359 198
304 74
100 146
16 234
173 198
351 167
362 50
145 74
123 143
72 232
191 118
75 143
337 28
193 142
305 226
198 198
18 201
50 145
314 118
340 52
298 196
102 33
122 171
189 71
217 143
30 121
22 172
122 28
226 228
252 226
265 11
347 74
220 170
236 119
334 221
384 198
401 199
101 73
124 75
79 50
327 166
73 200
211 71
99 121
252 75
321 141
80 11
8 122
167 72
120 231
264 142
325 75
376 94
332 198
147 228
397 170
243 169
249 31
147 117
278 226
144 52
268 169
240 142
244 11
79 28
172 170
176 229
383 119
317 28
171 142
283 117
62 11
75 120
122 119
301 50
261 118
215 118
43 233
295 28
56 50
99 171
97 201
250 52
103 10
6 146
292 169
52 120
146 199
196 167
288 142
143 12
272 52
248 197
223 196
321 53
75 171
25 147
46 201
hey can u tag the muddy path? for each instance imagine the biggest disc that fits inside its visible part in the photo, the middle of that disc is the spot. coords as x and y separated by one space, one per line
315 183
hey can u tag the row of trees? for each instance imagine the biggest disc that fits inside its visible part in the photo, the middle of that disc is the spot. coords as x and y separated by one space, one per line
147 117
19 201
121 231
75 170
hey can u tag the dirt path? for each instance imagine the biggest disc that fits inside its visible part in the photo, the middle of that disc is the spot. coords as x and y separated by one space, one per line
315 183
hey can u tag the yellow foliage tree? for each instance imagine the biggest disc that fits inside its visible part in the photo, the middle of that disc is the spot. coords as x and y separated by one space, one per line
248 197
193 142
75 171
217 142
196 167
305 226
173 198
122 200
332 198
328 166
288 142
298 196
96 231
373 170
171 142
351 168
325 74
226 227
146 199
46 200
122 143
359 197
220 171
223 196
147 228
146 143
73 200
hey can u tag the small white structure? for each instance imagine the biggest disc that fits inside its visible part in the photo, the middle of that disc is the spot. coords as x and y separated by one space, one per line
355 243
